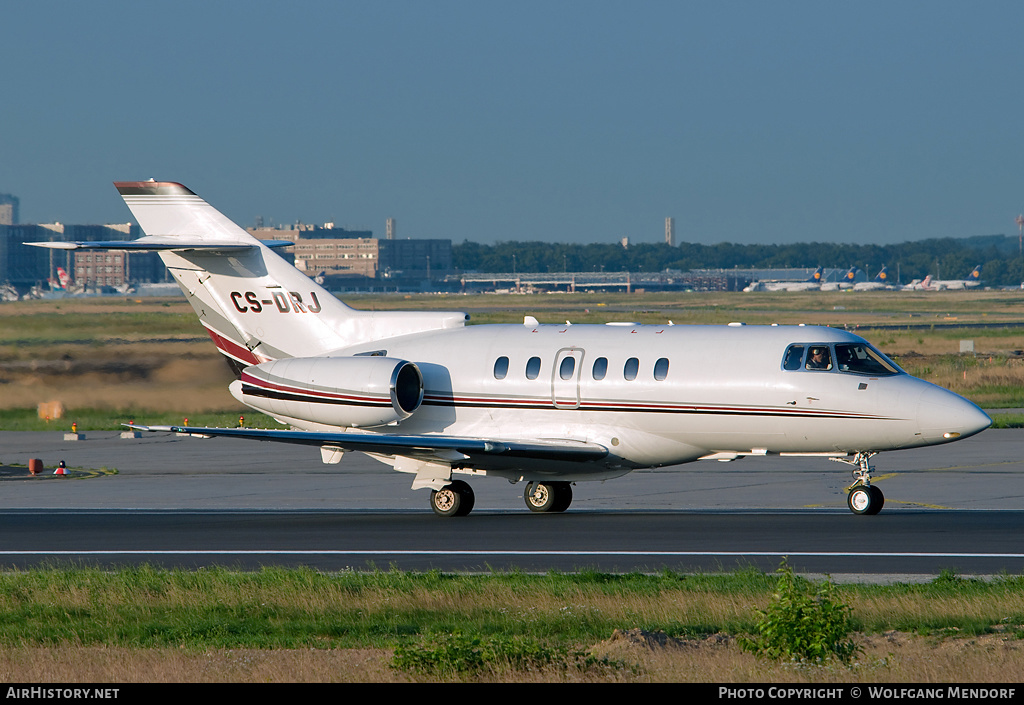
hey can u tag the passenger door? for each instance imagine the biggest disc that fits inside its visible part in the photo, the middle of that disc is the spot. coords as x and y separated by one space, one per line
565 378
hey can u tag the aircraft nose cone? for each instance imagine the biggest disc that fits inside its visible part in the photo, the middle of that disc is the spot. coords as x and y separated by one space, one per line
945 416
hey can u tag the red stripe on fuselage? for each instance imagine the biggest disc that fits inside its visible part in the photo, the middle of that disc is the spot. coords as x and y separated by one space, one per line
635 406
233 349
314 394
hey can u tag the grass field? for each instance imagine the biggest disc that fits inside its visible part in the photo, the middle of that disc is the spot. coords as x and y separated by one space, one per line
299 625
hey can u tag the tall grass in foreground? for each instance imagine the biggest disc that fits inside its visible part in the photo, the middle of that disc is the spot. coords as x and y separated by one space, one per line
276 608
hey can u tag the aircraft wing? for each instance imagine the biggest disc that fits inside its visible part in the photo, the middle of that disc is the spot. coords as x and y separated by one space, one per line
480 450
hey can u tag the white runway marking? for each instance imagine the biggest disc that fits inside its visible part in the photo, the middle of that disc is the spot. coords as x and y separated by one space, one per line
377 552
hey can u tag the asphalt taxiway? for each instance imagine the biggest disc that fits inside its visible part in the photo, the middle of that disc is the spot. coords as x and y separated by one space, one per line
185 501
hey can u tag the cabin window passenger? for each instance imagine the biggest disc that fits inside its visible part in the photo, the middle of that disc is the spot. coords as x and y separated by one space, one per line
567 367
794 356
819 358
500 367
661 369
600 368
533 368
631 368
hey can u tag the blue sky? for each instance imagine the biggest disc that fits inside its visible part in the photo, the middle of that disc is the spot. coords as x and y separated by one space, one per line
561 121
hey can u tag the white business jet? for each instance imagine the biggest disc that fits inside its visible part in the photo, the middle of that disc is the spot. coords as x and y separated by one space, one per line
543 404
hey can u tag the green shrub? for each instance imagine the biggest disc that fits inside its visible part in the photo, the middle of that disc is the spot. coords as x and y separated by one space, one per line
456 653
804 622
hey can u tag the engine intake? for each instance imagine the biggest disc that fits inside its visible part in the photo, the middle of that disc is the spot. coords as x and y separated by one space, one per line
338 391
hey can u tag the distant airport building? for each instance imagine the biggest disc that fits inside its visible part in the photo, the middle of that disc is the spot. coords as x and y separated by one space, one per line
8 209
420 259
670 232
347 257
339 254
793 274
629 282
26 267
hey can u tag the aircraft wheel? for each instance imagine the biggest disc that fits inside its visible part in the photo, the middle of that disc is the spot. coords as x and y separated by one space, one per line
453 500
865 500
548 496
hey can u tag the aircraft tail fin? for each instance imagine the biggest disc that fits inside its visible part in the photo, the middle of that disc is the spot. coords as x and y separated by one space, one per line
817 276
255 305
975 275
170 209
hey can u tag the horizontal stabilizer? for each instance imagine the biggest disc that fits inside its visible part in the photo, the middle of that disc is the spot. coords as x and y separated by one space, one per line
415 446
160 244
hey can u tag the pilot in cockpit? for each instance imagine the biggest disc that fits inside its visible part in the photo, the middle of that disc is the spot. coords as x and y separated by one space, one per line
819 359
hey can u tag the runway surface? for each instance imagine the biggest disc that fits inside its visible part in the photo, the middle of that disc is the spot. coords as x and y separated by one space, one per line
181 501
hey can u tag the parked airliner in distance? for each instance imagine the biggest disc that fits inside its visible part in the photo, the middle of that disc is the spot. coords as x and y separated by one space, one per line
881 282
810 284
547 405
972 280
846 282
919 285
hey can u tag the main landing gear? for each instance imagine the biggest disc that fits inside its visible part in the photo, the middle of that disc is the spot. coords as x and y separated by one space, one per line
548 496
453 500
863 497
456 499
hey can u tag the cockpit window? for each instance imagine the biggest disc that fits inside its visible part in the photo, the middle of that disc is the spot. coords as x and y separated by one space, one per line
794 356
863 359
819 358
854 358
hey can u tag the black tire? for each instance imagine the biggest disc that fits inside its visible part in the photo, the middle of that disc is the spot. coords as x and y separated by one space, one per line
878 500
468 497
453 500
548 497
564 494
865 499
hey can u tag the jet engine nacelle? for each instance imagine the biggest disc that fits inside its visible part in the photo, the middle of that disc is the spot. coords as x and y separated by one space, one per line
338 391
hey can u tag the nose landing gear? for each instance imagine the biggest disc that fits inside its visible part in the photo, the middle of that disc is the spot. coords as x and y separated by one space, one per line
863 497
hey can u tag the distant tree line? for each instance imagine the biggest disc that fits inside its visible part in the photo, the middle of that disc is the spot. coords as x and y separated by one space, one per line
948 258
